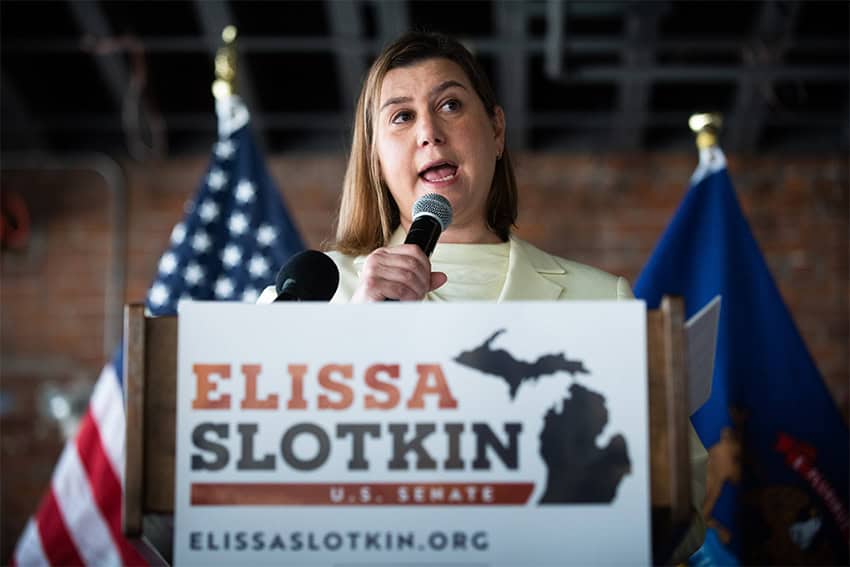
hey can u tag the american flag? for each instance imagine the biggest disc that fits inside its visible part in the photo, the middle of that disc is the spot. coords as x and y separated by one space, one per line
235 234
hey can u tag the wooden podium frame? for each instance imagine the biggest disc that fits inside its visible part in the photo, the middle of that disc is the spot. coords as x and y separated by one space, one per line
150 371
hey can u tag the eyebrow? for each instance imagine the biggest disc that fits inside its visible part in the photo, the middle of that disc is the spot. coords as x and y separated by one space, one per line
435 91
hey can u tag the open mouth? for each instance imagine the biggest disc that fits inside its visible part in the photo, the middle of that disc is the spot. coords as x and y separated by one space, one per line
439 172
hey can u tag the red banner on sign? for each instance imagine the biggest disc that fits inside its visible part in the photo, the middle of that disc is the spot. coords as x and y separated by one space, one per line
361 494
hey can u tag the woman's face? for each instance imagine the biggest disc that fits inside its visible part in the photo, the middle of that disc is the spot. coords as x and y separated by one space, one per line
433 135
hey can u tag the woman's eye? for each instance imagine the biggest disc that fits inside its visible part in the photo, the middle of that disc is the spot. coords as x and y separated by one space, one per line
402 117
451 105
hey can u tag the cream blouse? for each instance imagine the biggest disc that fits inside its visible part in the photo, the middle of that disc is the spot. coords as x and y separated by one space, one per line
476 272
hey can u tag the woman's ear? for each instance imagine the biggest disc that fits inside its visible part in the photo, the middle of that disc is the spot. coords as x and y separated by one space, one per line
499 129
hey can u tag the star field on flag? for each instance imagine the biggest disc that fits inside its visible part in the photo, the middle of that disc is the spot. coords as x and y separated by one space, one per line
237 232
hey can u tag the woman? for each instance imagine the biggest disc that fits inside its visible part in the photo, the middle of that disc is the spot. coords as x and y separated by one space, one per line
427 122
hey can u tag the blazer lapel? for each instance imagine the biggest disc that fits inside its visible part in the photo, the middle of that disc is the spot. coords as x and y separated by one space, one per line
526 269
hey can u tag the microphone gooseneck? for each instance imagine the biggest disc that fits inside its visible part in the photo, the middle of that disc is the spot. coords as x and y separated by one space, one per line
307 276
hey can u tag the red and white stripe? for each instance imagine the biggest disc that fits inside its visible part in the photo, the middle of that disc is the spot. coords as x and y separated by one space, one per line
79 519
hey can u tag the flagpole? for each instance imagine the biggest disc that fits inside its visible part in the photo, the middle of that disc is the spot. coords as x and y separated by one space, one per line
225 65
232 113
706 126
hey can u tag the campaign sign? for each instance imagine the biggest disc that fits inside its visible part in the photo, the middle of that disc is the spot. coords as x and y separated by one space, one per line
395 433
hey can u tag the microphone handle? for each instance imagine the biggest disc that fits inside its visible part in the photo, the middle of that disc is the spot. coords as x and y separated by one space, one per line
424 232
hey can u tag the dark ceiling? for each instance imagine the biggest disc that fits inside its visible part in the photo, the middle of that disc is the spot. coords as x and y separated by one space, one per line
134 77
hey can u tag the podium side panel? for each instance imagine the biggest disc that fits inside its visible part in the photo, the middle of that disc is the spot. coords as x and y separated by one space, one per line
659 438
670 478
677 408
134 380
160 414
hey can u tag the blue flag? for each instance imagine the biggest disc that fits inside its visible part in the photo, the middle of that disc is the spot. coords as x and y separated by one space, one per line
778 472
235 234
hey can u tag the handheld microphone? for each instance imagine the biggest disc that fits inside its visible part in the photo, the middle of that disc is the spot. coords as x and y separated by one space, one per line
432 214
307 276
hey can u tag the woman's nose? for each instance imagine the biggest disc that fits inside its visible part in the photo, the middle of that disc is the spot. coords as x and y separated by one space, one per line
430 132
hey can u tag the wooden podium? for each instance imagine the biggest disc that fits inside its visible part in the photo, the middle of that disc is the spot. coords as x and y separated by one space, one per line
150 370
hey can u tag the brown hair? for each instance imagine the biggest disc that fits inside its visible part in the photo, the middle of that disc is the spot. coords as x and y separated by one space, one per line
368 214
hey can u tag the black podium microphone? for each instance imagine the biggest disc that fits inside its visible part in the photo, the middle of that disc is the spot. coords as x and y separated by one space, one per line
308 276
432 214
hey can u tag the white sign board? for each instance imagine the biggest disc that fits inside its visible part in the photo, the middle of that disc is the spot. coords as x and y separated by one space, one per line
486 434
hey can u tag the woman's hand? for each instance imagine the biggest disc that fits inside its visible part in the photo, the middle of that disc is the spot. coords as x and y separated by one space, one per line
401 272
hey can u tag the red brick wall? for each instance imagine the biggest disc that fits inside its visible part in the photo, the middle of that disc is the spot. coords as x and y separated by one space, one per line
605 210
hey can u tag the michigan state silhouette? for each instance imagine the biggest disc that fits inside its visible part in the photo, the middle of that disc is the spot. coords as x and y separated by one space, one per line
579 471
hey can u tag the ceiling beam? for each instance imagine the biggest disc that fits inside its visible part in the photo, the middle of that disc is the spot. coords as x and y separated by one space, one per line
111 66
711 73
393 20
346 28
556 31
770 40
312 44
214 16
513 70
635 87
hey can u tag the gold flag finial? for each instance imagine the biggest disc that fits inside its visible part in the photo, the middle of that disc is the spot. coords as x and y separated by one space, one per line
225 65
706 126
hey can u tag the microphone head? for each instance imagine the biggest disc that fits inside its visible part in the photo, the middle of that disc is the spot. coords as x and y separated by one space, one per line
436 206
307 276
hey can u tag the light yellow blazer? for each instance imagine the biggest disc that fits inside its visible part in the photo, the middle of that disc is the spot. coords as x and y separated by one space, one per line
532 275
535 275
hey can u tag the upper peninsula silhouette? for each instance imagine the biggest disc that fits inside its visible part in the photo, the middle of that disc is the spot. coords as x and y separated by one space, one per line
501 363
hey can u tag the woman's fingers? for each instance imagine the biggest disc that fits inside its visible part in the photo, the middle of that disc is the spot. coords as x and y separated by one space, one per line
401 272
437 280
